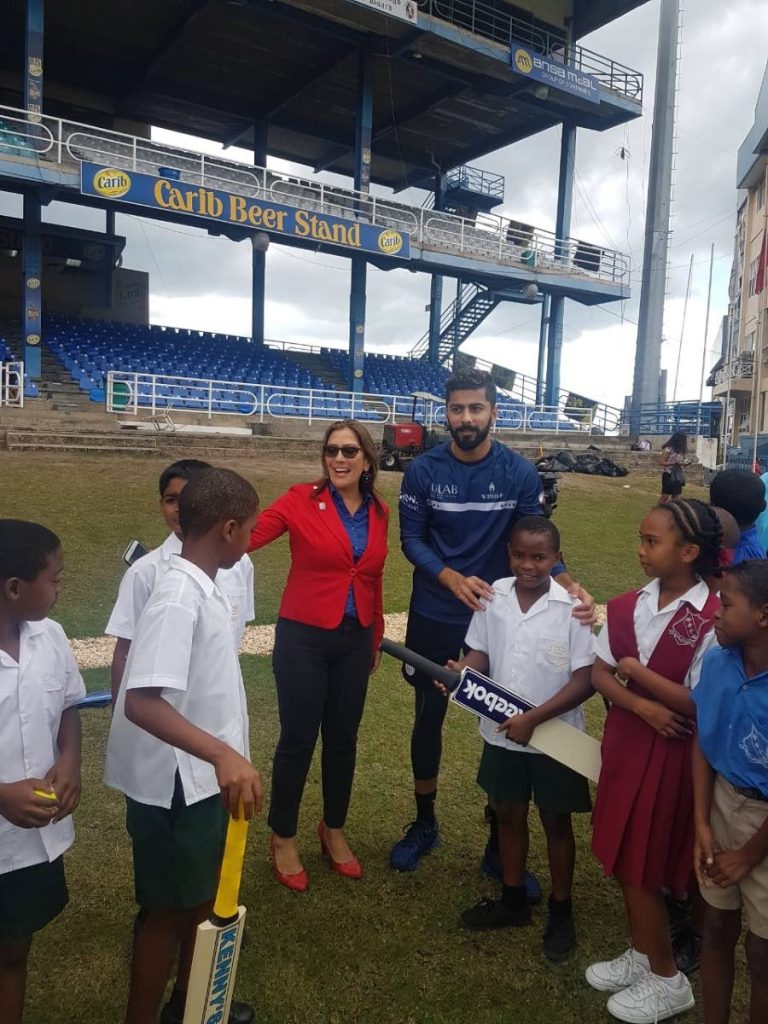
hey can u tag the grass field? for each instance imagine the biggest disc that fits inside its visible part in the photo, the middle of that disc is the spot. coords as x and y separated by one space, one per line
386 949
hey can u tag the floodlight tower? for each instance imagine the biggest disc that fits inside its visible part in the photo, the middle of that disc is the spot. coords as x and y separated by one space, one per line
645 388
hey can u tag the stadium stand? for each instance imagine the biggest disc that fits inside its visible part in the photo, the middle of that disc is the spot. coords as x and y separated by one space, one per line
89 349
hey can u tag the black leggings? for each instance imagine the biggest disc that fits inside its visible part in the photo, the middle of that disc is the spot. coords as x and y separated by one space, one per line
322 679
440 642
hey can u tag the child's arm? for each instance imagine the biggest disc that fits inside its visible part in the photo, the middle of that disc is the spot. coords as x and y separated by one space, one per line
237 778
478 660
664 720
519 728
119 658
64 776
671 695
703 784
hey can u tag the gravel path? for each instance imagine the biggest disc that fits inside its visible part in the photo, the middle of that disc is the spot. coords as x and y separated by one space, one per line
96 651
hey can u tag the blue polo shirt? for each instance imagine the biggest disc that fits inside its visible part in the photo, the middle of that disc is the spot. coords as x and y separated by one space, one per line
749 546
357 530
732 719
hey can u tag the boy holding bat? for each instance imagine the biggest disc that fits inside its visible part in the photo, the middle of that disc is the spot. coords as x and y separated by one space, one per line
178 746
528 640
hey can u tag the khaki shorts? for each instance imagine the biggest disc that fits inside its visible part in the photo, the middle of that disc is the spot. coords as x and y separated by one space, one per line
734 820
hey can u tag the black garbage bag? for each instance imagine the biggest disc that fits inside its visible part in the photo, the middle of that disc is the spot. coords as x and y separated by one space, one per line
566 458
607 467
588 463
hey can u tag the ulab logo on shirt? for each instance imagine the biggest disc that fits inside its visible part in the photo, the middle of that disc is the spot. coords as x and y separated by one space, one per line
441 490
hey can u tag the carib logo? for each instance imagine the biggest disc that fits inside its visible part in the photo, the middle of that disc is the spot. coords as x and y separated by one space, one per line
390 242
111 183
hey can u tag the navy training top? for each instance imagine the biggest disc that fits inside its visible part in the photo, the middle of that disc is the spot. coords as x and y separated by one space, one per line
459 515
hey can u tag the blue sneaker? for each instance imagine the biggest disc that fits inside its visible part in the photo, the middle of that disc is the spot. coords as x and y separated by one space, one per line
490 866
419 839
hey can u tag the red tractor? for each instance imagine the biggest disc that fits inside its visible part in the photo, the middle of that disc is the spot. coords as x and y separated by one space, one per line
402 442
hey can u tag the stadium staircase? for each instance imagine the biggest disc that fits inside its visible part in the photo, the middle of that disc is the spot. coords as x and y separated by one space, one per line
459 321
319 365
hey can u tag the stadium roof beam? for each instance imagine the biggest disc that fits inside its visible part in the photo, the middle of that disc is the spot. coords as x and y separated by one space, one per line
168 42
417 110
299 86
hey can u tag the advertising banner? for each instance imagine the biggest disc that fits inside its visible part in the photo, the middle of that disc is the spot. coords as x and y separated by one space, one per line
405 10
553 72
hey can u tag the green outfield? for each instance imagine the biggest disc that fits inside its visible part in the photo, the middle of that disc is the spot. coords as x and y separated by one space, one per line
386 949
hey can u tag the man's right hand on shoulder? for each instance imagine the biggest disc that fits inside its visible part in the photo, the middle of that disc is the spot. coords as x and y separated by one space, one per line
470 590
238 781
23 807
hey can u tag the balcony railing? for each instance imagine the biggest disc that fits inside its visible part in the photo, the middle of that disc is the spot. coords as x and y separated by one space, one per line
493 22
739 368
59 145
473 179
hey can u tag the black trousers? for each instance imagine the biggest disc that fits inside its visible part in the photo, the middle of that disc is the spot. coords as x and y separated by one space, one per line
322 679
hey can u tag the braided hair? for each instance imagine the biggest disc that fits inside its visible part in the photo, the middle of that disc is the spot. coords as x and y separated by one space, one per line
698 524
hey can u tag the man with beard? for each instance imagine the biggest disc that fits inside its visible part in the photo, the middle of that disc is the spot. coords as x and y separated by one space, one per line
458 502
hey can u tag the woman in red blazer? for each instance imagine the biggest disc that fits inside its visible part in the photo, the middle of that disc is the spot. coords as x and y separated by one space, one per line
326 640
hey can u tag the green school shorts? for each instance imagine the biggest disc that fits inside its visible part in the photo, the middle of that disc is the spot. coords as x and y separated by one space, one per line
31 898
512 776
177 851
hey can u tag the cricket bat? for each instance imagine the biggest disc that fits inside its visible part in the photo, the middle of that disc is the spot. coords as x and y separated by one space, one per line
217 943
493 701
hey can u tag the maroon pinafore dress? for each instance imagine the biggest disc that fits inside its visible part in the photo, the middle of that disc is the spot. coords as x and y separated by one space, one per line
643 817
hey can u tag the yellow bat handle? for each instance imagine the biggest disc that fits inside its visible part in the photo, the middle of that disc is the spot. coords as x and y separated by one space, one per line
228 893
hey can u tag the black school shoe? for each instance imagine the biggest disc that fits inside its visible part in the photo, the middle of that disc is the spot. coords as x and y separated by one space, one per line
686 948
239 1013
559 937
490 914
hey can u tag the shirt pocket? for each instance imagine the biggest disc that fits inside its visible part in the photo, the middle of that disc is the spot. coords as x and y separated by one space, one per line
52 697
553 652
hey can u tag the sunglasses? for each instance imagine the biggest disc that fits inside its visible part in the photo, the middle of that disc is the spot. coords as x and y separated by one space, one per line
349 451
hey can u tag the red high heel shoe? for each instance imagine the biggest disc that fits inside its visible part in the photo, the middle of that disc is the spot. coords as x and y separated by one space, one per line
347 869
298 882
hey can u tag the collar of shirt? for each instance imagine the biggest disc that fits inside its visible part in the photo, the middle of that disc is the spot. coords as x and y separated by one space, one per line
697 596
170 546
202 579
735 655
27 630
339 502
507 587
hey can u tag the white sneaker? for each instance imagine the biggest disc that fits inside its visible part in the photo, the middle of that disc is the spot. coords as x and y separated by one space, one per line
650 1000
614 975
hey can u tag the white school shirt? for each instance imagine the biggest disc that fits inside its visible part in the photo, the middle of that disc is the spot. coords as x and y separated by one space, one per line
183 647
534 654
34 693
140 579
650 623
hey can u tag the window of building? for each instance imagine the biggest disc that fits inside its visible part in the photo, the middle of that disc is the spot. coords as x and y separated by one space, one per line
749 342
753 275
760 196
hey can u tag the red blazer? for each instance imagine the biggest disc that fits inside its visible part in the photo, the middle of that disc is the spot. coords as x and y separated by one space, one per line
322 563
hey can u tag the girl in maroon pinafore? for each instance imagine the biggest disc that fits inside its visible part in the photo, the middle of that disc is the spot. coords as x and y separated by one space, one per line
643 817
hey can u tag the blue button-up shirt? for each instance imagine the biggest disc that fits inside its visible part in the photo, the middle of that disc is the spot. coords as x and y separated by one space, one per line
732 719
357 530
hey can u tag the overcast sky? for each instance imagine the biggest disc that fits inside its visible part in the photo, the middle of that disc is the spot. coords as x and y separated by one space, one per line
203 282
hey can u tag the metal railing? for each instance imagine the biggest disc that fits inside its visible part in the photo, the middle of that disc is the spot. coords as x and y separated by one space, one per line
664 418
12 384
156 396
740 368
473 179
493 22
51 141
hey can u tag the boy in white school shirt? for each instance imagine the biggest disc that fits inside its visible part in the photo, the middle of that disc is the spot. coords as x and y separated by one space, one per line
140 578
526 638
178 745
39 750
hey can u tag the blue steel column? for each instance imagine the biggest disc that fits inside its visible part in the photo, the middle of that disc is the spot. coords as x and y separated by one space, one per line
363 133
562 231
32 257
436 287
108 266
258 255
542 360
